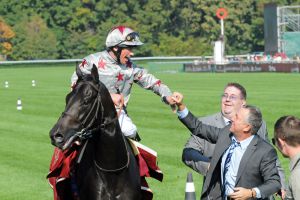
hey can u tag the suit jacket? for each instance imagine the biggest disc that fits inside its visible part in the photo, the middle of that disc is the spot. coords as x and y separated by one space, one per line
206 148
257 167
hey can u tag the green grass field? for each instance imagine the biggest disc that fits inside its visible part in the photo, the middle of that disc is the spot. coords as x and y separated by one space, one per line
25 149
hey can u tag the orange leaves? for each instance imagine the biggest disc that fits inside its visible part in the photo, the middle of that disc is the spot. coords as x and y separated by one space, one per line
6 33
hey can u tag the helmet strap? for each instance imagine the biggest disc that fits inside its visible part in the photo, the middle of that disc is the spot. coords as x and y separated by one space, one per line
117 52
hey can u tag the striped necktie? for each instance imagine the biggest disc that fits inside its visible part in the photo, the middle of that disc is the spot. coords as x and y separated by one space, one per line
233 145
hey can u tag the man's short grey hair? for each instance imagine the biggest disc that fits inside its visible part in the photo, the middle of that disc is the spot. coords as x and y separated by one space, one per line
254 118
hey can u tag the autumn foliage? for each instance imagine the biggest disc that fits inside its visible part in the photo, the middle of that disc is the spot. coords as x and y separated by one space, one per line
6 34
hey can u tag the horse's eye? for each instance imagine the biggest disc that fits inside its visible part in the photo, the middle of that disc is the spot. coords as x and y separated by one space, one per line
88 95
86 100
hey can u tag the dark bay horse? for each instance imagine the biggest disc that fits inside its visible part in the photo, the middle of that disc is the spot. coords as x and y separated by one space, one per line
107 168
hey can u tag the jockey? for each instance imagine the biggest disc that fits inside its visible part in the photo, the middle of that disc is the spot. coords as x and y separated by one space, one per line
118 73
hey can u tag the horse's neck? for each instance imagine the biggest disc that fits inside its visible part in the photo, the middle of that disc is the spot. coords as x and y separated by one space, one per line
111 149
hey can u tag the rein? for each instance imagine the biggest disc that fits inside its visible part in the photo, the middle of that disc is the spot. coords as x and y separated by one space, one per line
86 133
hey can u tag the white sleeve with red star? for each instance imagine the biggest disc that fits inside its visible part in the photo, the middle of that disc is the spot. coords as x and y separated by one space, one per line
85 66
150 82
73 79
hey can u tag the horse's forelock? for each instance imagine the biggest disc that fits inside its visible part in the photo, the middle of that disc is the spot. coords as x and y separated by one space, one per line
87 77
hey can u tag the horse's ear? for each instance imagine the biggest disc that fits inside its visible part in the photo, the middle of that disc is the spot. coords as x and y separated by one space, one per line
95 73
79 73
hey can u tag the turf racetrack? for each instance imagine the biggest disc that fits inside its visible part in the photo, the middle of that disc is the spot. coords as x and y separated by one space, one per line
26 151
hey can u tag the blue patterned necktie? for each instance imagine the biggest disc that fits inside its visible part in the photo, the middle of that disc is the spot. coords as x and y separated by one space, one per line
233 145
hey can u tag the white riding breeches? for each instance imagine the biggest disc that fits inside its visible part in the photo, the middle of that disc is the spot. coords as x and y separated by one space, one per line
127 126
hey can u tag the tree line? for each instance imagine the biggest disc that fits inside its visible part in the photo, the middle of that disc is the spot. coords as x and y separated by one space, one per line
65 29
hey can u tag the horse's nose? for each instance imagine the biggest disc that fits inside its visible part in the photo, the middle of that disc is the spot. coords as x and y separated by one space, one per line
56 137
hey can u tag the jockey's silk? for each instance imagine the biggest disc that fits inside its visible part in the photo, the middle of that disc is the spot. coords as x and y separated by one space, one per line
119 78
62 162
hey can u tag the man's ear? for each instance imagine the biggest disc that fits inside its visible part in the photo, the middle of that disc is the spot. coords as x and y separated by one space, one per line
281 142
247 128
244 102
115 49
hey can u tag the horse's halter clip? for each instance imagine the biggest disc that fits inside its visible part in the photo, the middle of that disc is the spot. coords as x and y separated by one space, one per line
78 137
84 134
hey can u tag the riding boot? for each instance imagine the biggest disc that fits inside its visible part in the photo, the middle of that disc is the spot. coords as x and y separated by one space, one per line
137 137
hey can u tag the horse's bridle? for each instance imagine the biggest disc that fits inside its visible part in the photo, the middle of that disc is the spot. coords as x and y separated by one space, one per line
87 133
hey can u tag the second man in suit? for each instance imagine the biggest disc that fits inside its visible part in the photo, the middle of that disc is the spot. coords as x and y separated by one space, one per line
230 174
197 152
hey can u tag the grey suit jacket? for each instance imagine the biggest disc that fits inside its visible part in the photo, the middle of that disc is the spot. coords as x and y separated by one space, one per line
207 148
257 167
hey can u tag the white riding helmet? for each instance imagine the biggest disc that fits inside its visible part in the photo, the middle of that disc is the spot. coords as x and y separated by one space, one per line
122 36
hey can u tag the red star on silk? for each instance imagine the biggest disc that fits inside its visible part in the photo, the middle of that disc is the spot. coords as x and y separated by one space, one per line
84 62
158 82
101 64
120 77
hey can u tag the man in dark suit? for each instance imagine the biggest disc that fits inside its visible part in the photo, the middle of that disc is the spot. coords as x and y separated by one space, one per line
198 152
243 165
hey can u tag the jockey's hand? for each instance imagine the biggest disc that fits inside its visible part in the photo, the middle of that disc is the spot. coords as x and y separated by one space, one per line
171 102
118 100
178 99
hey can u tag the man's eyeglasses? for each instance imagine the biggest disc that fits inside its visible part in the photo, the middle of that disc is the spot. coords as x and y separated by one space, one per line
131 37
231 97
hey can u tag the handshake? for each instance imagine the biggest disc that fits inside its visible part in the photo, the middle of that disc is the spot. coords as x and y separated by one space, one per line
176 99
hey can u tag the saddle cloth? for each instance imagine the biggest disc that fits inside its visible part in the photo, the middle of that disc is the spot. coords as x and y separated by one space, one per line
59 175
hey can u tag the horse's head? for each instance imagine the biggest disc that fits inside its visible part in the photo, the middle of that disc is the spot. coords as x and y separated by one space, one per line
82 112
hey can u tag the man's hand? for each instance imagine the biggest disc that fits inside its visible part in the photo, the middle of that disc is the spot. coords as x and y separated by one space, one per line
118 100
241 193
281 194
178 99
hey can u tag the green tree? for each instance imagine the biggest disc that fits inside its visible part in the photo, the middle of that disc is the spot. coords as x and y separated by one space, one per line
78 45
34 40
175 46
168 27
